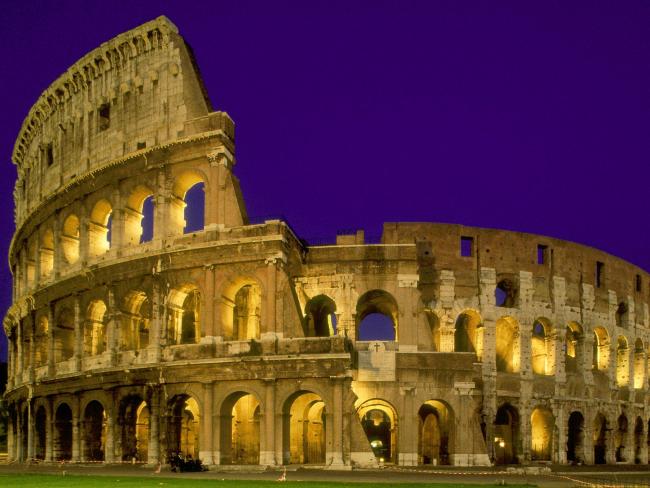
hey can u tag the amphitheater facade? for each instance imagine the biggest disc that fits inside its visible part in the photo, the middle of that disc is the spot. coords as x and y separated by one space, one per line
133 336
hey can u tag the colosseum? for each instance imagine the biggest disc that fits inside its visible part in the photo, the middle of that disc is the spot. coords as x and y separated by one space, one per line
135 334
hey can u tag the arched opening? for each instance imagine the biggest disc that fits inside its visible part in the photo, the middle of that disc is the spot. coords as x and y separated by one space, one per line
184 314
138 217
95 329
62 445
468 334
573 355
575 438
27 343
247 312
638 440
240 429
639 364
377 317
506 435
94 432
40 426
99 227
134 421
600 349
24 433
621 315
46 253
183 427
542 348
541 422
70 239
64 336
188 205
320 315
622 362
134 333
600 439
40 342
304 429
620 439
434 443
32 256
507 345
379 422
505 294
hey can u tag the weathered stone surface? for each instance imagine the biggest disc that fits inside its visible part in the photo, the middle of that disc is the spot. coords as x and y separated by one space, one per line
240 344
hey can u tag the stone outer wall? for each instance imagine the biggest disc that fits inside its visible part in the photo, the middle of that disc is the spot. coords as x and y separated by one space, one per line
202 319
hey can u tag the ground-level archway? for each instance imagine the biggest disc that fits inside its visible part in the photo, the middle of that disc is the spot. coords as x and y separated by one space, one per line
40 426
434 446
575 438
379 421
506 435
620 438
240 429
62 433
183 427
542 423
600 439
134 422
638 440
94 432
304 428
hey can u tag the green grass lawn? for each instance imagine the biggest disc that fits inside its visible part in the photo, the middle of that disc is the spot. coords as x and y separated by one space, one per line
74 481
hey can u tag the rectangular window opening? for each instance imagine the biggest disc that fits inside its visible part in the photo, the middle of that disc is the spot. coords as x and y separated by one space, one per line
600 273
104 116
542 254
639 283
466 246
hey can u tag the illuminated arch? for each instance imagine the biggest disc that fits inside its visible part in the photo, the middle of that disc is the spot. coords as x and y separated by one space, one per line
99 227
379 422
70 239
135 219
320 314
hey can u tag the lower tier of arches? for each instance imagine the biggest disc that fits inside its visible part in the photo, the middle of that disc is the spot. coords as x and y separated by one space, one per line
325 422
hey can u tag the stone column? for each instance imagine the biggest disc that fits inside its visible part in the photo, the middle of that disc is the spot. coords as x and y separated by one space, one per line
84 239
408 428
58 254
155 336
30 430
267 451
112 326
337 423
19 364
109 453
205 440
588 441
269 324
78 334
32 349
51 369
153 454
525 433
76 430
49 430
560 444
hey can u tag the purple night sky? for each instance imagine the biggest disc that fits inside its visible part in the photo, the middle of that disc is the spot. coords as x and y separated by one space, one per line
530 116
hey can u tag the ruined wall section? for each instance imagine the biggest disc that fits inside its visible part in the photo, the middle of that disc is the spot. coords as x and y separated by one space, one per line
510 253
133 92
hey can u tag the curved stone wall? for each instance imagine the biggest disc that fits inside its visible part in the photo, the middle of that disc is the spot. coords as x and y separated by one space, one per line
240 344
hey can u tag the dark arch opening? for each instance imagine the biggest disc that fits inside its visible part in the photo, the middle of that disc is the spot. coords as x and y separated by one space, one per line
40 424
575 441
505 294
94 429
321 317
62 433
506 435
377 316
